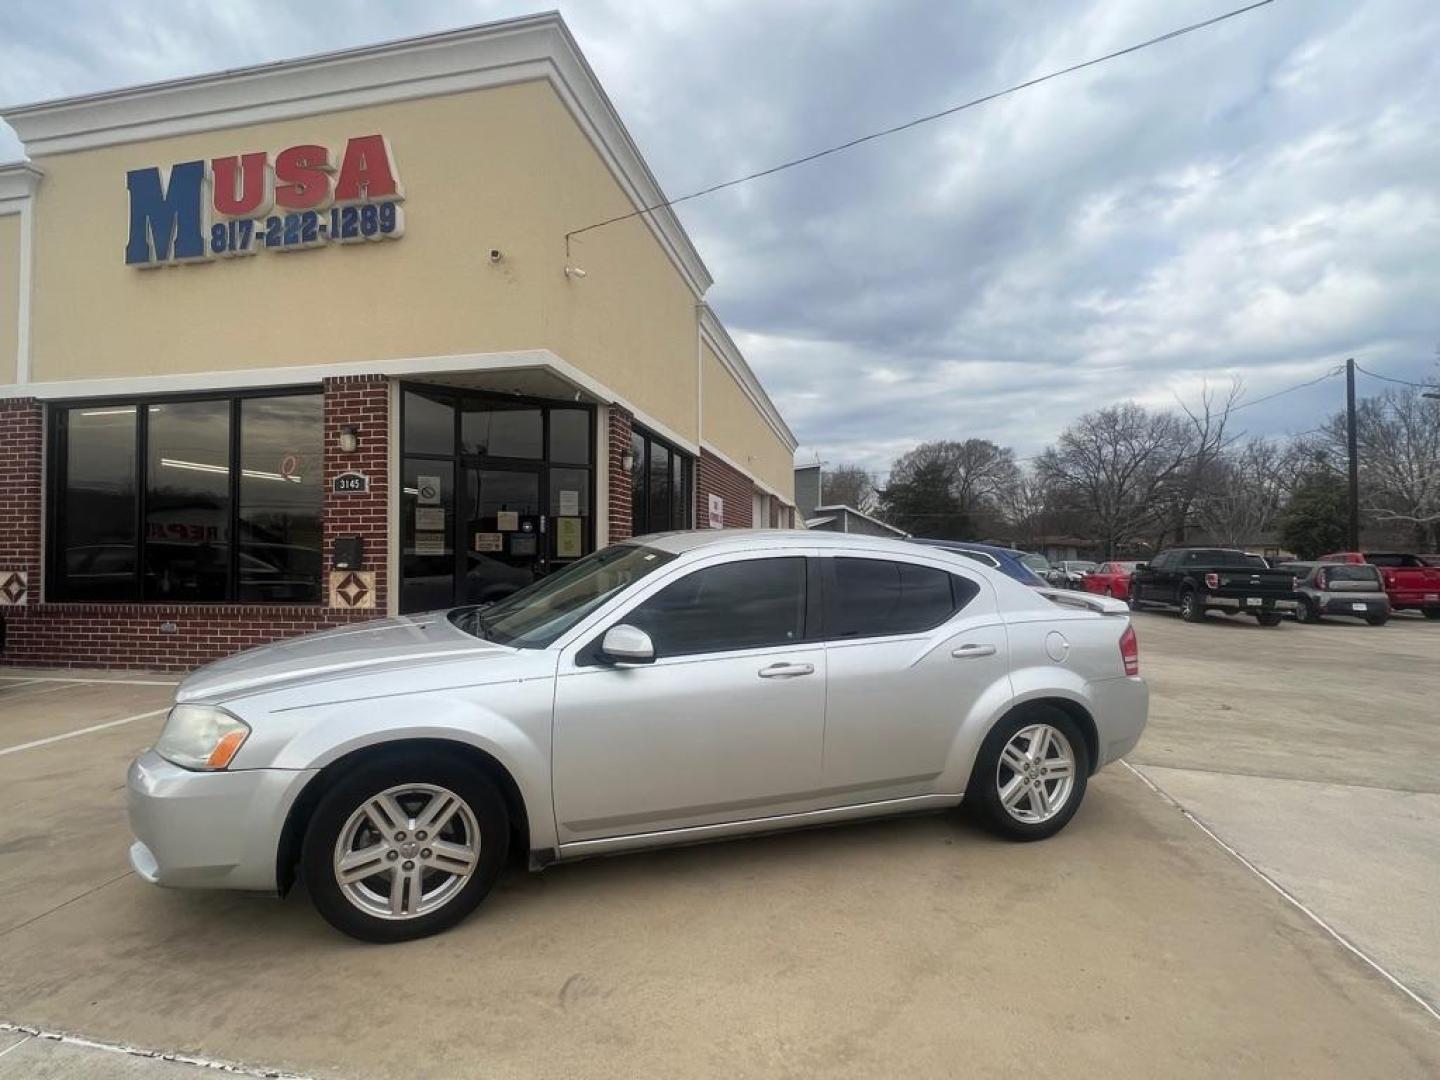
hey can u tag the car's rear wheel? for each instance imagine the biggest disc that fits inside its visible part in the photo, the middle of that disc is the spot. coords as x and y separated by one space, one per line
1030 775
1377 620
1269 618
1432 612
402 849
1191 610
1305 612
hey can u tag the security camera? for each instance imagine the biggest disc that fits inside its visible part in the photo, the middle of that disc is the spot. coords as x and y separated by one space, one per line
496 255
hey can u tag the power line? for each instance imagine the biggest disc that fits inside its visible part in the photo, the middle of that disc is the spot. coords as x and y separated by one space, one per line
1400 382
1288 390
919 120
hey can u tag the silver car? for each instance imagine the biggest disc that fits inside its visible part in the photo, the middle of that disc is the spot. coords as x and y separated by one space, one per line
672 689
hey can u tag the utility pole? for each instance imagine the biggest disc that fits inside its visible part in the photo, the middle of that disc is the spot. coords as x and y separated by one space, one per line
1351 442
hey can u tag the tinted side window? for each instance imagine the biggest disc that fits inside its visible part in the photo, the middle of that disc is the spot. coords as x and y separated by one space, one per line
738 605
981 558
873 597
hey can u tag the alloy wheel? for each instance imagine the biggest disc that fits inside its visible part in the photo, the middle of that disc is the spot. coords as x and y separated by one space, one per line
1036 774
407 851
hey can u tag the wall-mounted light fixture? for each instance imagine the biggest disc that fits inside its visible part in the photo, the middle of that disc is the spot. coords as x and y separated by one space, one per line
627 461
349 440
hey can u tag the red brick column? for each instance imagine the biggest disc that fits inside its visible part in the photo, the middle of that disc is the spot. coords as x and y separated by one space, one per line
21 441
621 423
361 402
713 475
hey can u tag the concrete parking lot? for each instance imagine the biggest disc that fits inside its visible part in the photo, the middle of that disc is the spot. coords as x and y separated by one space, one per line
1131 945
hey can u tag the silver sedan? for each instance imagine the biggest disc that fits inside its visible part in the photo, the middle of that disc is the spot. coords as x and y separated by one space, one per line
670 689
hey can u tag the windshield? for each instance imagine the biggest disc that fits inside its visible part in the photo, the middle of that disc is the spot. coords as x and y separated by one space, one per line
538 614
1224 557
1084 566
1038 563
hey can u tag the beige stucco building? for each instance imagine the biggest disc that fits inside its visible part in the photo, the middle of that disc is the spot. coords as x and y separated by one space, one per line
284 345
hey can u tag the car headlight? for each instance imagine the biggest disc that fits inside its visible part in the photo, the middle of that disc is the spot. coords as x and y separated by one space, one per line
201 737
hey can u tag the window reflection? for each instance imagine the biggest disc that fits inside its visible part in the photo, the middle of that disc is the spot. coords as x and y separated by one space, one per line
187 501
96 532
281 491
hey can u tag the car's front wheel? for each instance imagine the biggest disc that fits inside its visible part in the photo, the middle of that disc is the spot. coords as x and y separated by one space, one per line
406 848
1030 775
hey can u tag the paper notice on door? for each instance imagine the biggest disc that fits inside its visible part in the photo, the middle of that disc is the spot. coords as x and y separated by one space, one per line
569 503
427 490
429 519
507 520
568 543
488 542
429 543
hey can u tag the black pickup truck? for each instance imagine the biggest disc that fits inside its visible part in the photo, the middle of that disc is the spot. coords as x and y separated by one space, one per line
1197 580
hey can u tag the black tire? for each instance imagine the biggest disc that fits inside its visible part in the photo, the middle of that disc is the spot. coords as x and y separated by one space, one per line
1432 612
365 782
1305 612
1269 618
1191 610
983 795
1377 620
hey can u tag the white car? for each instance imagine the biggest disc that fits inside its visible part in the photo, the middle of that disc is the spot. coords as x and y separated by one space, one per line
670 689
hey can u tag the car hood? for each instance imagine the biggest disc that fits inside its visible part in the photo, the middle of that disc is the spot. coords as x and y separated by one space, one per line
368 647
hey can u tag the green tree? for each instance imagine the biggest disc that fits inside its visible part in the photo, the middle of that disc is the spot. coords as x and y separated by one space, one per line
922 502
1314 520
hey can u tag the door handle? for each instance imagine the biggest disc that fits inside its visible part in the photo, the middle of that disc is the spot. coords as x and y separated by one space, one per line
786 671
973 651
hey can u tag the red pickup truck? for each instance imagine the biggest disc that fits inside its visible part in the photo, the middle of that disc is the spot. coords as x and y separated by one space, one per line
1409 581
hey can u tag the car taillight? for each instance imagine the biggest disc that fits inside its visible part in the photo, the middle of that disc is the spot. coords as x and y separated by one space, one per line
1130 651
1295 583
1212 581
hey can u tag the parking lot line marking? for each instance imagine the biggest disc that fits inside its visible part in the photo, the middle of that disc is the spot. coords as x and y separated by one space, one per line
97 682
79 731
1284 892
139 1051
21 1042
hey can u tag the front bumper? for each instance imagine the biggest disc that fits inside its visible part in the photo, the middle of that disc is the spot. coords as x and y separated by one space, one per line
208 829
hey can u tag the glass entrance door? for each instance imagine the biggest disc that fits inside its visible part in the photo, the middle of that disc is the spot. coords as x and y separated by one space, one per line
496 491
503 532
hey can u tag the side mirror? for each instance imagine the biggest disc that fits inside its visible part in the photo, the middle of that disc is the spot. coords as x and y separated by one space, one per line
626 644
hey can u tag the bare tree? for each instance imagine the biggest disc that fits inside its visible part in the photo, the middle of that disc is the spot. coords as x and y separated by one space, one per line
1115 466
1246 490
1206 443
847 485
978 476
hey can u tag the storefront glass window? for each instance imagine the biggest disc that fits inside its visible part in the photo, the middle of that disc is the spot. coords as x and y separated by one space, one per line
187 501
660 485
570 440
196 541
427 514
497 429
95 556
282 478
429 424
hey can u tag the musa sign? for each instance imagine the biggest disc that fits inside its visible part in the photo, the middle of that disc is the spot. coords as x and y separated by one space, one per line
239 204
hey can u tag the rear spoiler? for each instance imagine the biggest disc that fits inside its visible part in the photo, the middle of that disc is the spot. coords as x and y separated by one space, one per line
1102 605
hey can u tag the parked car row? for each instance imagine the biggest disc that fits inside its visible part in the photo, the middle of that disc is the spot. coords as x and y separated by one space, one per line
1197 580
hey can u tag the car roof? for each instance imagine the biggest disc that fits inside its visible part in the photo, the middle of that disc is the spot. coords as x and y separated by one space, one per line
966 545
678 543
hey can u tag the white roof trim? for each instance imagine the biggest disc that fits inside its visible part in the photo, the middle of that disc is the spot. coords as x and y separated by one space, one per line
492 54
18 182
861 514
723 345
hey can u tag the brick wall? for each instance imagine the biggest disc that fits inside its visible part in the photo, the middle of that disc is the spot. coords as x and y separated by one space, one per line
621 525
21 435
733 486
361 402
182 636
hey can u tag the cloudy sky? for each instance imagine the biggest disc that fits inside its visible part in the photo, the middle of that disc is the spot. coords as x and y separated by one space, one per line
1261 198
